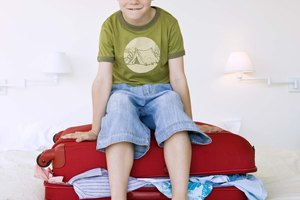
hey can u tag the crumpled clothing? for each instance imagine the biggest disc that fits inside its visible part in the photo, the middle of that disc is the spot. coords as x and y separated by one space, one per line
95 184
251 186
46 175
196 190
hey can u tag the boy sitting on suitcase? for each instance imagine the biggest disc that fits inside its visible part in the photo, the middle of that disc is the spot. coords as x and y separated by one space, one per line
141 85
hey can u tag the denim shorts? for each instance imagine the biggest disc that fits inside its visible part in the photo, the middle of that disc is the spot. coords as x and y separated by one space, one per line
132 111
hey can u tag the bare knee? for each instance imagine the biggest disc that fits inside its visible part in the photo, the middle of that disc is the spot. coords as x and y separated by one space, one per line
119 155
125 147
178 139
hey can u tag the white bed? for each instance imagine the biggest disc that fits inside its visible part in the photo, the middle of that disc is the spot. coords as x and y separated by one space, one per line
278 169
280 172
16 176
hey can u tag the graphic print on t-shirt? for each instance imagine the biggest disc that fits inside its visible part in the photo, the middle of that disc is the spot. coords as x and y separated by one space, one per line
141 55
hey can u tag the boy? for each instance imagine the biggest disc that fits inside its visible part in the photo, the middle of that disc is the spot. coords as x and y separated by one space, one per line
141 85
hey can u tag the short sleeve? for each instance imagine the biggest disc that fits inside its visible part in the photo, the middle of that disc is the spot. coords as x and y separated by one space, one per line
176 47
106 47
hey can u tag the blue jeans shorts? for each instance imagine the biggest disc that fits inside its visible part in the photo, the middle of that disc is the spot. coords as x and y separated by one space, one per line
133 110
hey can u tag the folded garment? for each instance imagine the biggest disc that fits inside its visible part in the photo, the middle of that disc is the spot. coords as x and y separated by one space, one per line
95 184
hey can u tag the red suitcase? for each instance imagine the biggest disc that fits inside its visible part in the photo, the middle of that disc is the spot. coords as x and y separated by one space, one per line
227 154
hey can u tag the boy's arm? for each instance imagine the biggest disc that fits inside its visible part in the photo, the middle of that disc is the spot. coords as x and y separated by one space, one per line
100 93
179 83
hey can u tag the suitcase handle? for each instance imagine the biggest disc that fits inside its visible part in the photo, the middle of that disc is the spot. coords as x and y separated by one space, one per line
57 155
45 158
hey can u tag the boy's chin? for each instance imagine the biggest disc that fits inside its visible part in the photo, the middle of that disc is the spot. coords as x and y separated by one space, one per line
134 18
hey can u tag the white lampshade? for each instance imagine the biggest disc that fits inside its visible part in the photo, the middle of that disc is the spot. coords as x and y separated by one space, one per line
57 63
238 62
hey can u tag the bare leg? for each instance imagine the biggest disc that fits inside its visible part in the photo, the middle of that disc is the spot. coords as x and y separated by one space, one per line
119 159
178 152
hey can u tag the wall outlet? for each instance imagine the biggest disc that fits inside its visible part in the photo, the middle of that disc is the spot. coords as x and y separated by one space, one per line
294 86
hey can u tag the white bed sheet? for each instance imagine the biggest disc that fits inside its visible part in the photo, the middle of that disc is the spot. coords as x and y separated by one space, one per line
16 176
278 169
280 172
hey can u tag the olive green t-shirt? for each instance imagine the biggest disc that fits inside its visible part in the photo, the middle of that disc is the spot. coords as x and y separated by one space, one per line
140 54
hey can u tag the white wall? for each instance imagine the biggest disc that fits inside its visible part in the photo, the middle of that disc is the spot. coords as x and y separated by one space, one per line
268 30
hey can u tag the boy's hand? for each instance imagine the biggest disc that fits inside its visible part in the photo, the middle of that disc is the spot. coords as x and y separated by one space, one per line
81 136
210 129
